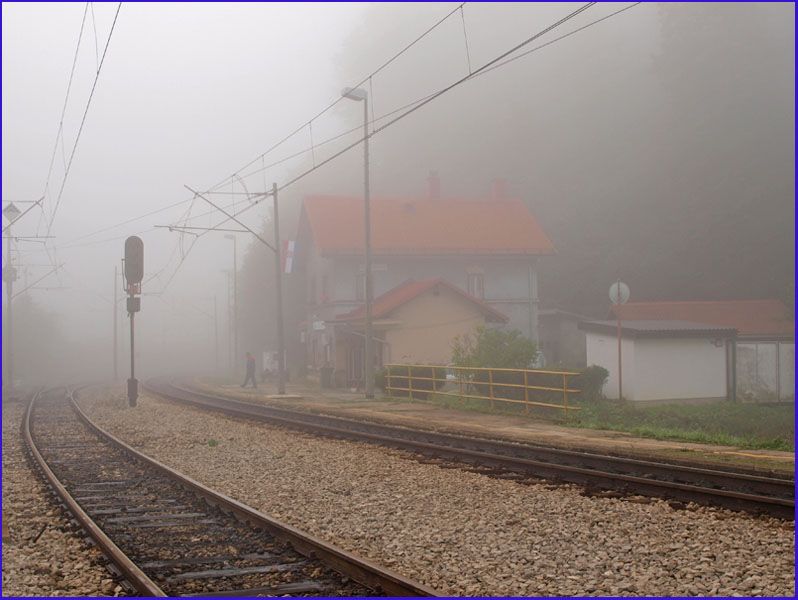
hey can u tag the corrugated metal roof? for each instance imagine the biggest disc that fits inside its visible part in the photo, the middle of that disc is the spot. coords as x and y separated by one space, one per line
748 317
653 328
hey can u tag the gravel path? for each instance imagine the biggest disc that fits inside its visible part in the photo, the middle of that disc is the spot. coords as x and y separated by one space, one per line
458 532
59 562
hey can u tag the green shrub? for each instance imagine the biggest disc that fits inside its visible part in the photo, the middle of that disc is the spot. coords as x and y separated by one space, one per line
591 382
493 348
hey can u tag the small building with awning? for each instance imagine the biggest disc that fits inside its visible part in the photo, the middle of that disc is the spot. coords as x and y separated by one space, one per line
764 348
664 361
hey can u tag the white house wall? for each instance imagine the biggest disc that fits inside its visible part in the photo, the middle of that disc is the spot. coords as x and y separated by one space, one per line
602 350
679 369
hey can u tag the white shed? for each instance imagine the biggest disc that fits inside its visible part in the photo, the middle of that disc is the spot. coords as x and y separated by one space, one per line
664 360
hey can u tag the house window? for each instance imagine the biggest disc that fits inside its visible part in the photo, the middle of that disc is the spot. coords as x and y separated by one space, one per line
476 285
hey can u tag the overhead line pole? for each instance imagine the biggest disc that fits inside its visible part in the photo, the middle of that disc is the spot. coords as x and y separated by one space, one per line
9 356
278 276
116 343
278 272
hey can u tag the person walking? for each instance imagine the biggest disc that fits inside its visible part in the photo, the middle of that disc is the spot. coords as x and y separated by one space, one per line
250 372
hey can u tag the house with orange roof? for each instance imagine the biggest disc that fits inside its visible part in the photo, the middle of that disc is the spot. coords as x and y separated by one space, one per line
440 267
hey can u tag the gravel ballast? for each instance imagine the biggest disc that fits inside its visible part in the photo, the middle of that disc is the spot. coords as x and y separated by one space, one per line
459 532
42 555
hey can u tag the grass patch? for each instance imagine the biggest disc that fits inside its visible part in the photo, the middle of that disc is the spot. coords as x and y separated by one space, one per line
751 426
484 406
213 443
754 426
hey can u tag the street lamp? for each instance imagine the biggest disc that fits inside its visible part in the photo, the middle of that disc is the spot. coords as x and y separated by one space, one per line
235 299
359 94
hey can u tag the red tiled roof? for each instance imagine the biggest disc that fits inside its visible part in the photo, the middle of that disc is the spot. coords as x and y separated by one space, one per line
426 226
405 292
748 317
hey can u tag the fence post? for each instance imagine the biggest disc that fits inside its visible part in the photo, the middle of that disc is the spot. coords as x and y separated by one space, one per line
490 383
526 391
410 382
388 381
565 393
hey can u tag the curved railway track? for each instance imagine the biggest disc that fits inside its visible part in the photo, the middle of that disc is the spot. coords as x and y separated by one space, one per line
736 490
166 534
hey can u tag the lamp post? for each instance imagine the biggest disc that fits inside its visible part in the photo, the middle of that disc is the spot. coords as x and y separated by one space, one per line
358 95
235 299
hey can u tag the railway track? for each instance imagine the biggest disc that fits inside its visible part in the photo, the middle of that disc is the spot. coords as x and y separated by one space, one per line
166 534
735 490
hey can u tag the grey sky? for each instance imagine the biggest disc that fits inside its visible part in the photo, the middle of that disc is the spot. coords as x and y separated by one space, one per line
188 93
191 92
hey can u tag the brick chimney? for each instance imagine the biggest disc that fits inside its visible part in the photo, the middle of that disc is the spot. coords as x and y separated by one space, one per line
434 185
498 189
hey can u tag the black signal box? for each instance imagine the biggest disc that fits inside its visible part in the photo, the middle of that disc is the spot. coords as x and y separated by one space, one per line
134 259
133 304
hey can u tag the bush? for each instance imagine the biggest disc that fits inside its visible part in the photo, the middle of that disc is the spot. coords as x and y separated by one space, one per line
591 382
493 348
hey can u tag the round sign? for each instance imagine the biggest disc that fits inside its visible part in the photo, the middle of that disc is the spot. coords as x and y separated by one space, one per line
619 292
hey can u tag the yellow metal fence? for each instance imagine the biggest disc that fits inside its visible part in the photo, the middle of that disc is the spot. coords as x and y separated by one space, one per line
528 387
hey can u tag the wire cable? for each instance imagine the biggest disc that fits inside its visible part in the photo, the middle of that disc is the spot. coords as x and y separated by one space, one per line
63 112
83 121
338 99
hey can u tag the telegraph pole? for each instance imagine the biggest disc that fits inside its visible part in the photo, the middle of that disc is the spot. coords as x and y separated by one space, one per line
279 291
216 334
9 360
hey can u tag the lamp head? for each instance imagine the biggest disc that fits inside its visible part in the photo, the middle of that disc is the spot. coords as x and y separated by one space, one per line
356 94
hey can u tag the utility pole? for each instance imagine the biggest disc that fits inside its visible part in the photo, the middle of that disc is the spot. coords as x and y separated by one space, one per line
216 334
369 346
8 358
277 287
235 302
279 291
230 365
116 343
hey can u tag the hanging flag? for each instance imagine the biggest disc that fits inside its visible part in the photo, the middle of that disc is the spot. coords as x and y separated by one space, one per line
289 247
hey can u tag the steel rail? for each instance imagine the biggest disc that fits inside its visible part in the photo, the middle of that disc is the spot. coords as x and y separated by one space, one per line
135 576
360 570
759 494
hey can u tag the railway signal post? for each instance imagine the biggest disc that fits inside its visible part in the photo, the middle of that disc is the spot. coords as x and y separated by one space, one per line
134 272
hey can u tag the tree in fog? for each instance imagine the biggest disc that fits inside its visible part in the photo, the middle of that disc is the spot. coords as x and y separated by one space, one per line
39 346
657 146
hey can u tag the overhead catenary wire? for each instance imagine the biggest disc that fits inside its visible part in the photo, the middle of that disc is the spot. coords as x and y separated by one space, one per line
60 130
332 104
419 104
316 145
262 156
492 65
83 120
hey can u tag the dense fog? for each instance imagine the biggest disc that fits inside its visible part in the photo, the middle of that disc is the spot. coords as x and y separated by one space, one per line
656 145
